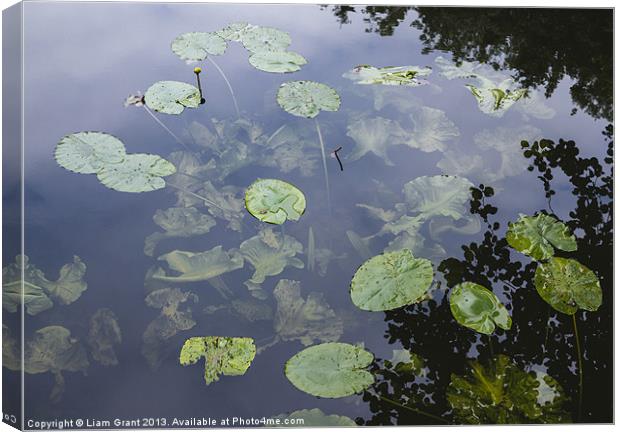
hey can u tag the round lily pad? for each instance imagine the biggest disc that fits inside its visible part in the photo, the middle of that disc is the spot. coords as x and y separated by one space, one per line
196 46
172 97
536 236
307 98
330 370
391 280
137 173
477 308
88 152
234 31
259 39
274 201
568 285
277 61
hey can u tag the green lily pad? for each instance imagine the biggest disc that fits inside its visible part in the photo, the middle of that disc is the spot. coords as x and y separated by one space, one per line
172 97
392 75
330 370
259 39
277 61
274 201
234 32
391 280
495 101
196 46
568 285
139 172
536 236
104 334
230 356
315 418
89 152
477 308
195 267
307 98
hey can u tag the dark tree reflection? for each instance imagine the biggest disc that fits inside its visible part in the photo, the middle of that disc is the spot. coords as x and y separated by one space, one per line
539 336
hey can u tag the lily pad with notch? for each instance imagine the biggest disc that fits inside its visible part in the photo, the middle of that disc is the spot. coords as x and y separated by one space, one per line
536 236
274 201
277 61
139 172
89 152
477 308
307 98
196 46
172 97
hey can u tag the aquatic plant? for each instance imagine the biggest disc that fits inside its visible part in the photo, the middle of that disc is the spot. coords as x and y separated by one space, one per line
536 236
199 266
172 97
178 222
391 75
274 201
478 308
104 334
277 61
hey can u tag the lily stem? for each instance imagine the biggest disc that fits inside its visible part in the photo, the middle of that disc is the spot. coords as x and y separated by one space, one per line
415 410
579 365
159 122
329 200
195 195
230 89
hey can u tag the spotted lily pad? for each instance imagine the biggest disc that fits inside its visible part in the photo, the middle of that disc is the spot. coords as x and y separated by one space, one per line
568 285
259 39
234 32
137 173
277 61
307 98
536 236
391 280
477 308
274 201
172 97
230 356
196 46
330 370
89 152
392 75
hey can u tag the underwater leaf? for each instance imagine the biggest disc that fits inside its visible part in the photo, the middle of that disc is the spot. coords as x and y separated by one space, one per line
374 135
477 308
70 285
438 196
315 418
359 244
104 334
277 61
258 39
234 32
196 46
189 176
252 309
137 173
391 280
392 75
231 356
431 129
178 222
309 321
11 352
307 98
172 97
311 251
501 393
536 236
200 266
568 285
89 152
228 204
330 370
274 201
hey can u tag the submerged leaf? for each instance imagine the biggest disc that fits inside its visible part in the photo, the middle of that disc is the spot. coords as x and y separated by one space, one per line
225 203
104 334
89 152
374 135
431 129
172 97
568 285
196 46
314 418
274 201
258 39
231 356
178 222
392 75
200 266
11 351
391 280
277 61
307 98
137 173
438 196
476 307
330 370
536 236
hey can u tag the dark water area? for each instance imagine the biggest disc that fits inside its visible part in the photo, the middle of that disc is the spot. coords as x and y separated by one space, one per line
83 59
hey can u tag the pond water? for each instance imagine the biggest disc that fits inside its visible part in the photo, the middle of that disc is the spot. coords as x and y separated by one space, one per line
78 73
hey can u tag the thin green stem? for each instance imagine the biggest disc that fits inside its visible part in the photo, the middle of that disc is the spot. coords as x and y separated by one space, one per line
579 365
329 200
415 410
159 122
230 89
491 346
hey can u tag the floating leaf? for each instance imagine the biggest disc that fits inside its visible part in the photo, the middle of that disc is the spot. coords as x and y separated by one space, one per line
172 97
501 393
330 370
196 46
234 32
258 39
392 75
406 362
89 152
391 280
274 201
477 308
104 334
307 320
493 100
178 222
314 418
231 356
137 173
200 266
568 285
536 236
307 98
277 61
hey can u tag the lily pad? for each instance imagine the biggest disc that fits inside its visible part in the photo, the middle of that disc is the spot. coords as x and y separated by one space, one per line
391 75
495 101
234 32
89 152
277 61
172 97
195 267
196 46
536 236
231 356
307 98
391 280
315 418
568 285
178 222
477 308
330 370
103 335
258 39
137 173
274 201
